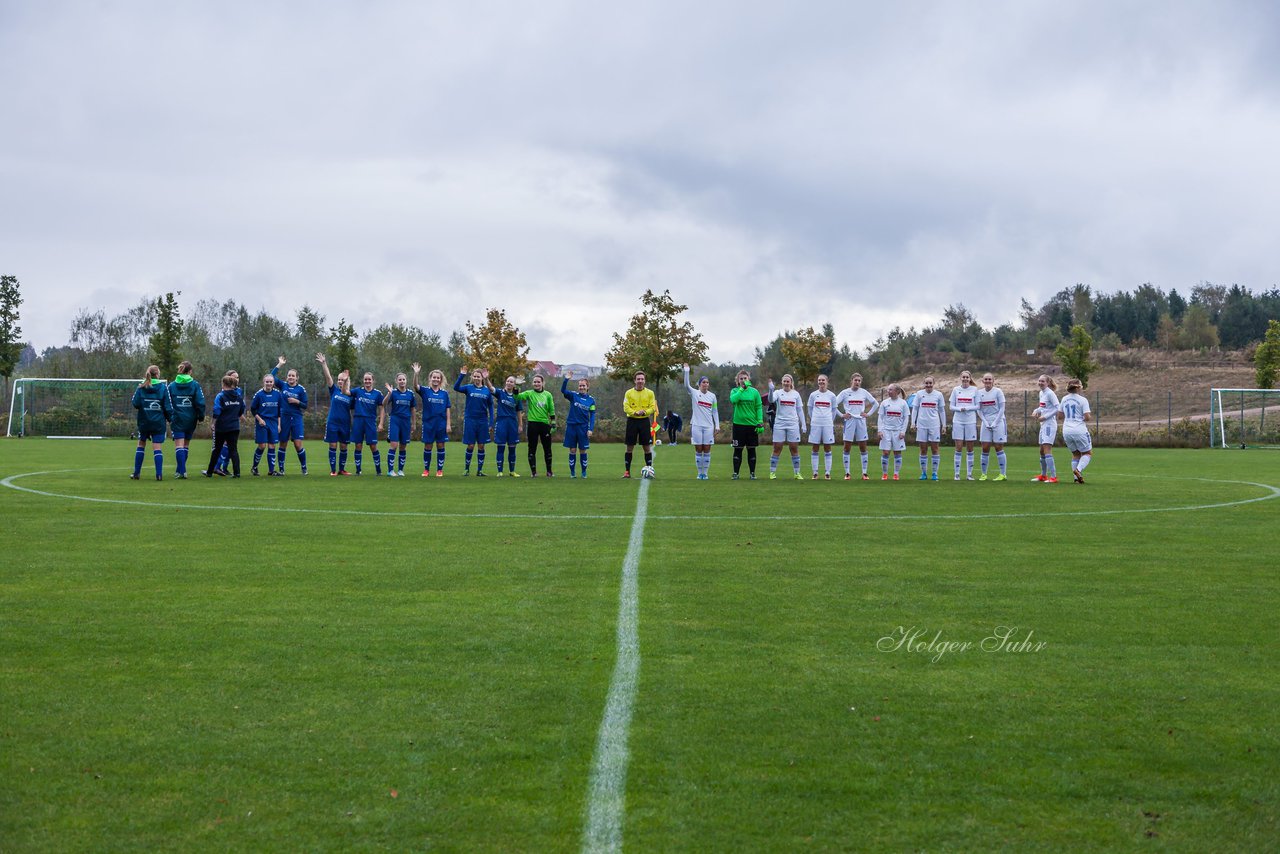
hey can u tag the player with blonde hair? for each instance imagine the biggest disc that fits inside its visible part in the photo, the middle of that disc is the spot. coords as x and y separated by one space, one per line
1047 414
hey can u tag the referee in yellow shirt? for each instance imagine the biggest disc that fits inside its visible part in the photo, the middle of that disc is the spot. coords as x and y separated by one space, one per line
640 406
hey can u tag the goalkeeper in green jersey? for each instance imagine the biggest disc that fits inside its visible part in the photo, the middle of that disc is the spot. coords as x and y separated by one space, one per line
748 422
540 420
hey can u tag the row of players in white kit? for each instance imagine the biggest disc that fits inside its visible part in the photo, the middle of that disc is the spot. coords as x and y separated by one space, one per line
978 416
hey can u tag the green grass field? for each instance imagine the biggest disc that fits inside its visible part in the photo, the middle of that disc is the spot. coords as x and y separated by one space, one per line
368 664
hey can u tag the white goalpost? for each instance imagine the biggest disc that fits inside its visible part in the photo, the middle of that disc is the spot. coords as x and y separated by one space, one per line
1244 418
71 408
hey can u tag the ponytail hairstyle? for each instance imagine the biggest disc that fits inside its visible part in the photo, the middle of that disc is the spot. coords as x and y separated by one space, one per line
1048 380
153 373
1073 385
184 367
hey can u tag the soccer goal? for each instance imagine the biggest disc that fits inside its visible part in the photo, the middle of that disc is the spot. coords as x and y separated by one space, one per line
80 408
1244 418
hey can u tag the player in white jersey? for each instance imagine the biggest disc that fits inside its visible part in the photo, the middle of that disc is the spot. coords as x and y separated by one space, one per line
964 421
1074 413
994 430
891 430
929 417
853 404
787 425
1047 414
822 423
704 422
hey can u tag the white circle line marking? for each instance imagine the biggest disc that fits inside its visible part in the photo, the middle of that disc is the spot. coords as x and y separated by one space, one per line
1272 492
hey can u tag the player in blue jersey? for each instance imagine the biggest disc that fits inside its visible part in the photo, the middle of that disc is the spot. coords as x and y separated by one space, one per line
337 429
399 404
581 422
188 410
366 404
225 455
477 416
506 428
295 403
266 407
437 418
155 411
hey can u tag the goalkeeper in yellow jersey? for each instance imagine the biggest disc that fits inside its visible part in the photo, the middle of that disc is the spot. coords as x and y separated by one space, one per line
640 407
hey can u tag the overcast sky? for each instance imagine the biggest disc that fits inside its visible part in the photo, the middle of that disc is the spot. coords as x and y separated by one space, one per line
775 165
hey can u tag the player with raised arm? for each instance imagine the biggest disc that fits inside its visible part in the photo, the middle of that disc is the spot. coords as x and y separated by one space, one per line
787 426
506 430
1047 414
580 423
855 404
1074 414
964 421
295 403
540 420
337 426
399 403
477 416
640 407
822 423
369 414
436 418
187 398
155 411
891 430
748 421
266 407
994 430
704 421
929 418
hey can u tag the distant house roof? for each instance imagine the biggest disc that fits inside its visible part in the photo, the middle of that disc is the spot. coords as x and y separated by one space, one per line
547 369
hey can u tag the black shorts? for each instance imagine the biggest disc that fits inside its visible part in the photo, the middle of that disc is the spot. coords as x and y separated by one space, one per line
639 432
537 431
745 436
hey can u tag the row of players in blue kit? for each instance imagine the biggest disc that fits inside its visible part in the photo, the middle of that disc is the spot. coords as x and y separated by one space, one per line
357 416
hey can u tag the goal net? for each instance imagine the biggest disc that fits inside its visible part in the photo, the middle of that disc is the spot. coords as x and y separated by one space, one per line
1244 418
61 407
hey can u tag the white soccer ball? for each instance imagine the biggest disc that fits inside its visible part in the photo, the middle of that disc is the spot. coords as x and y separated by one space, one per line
647 472
658 442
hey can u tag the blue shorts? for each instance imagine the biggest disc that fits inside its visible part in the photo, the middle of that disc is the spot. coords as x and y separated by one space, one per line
153 438
291 428
182 434
337 434
268 435
575 436
434 433
475 432
364 431
400 430
507 432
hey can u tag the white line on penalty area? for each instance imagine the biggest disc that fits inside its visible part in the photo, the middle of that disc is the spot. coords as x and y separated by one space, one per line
1271 493
607 786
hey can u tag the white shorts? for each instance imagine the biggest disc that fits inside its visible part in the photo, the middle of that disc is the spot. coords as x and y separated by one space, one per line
855 430
893 442
1081 442
964 432
997 435
786 435
822 434
928 434
702 435
1048 431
